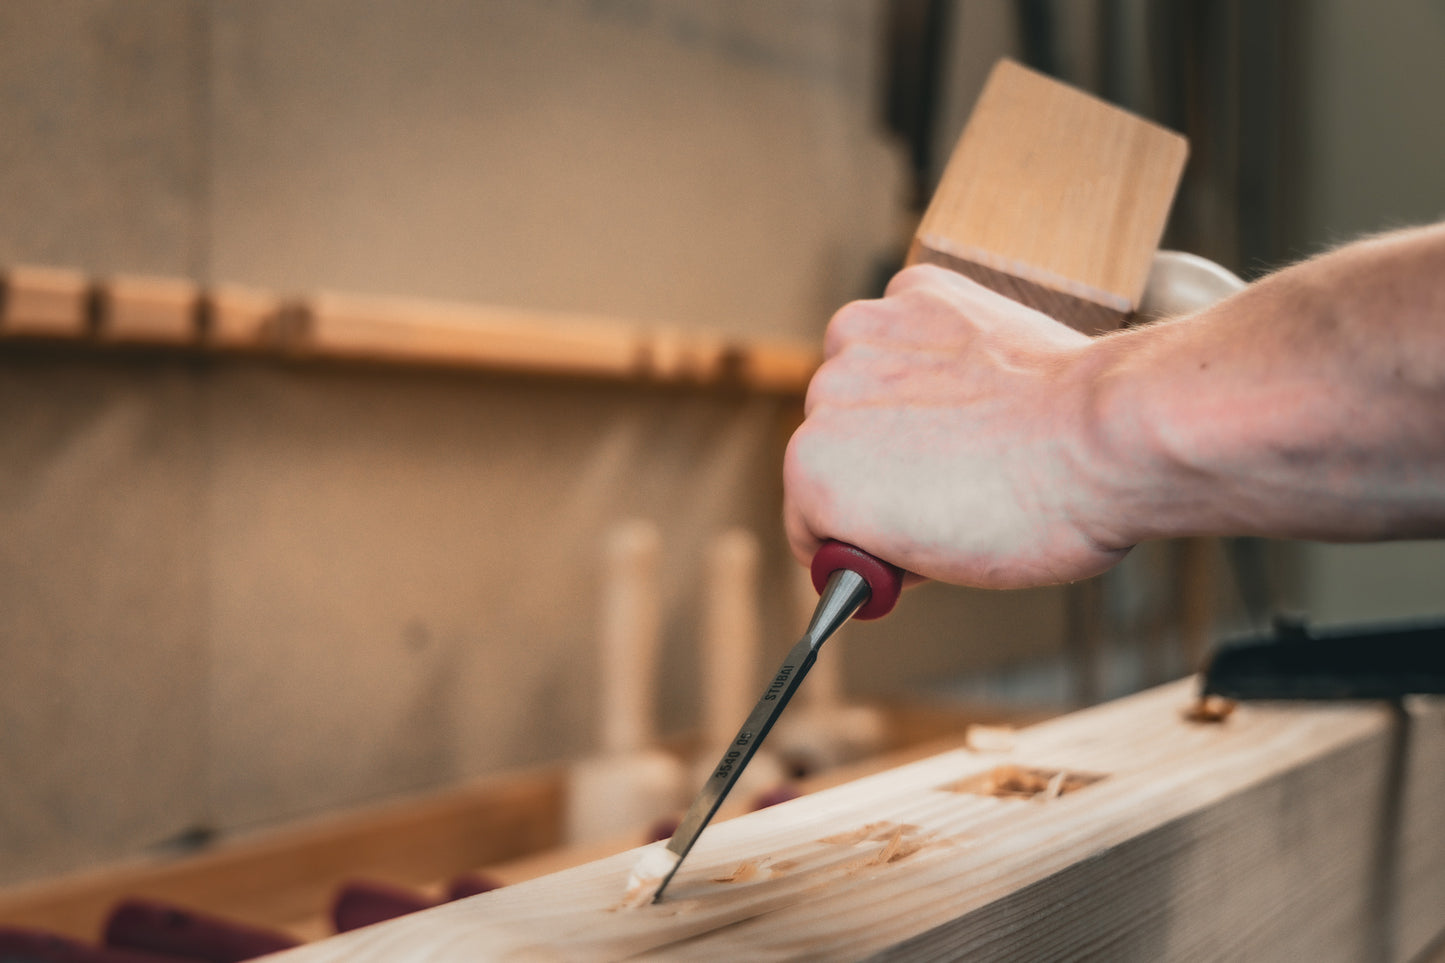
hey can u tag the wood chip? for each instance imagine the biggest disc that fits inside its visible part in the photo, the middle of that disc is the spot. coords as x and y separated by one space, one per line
1210 708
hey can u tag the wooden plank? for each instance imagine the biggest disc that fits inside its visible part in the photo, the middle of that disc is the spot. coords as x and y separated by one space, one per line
1280 833
43 302
291 874
149 310
1054 199
921 731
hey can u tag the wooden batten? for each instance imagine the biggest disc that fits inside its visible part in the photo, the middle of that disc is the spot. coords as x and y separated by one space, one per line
149 310
243 318
1053 198
390 329
58 303
1124 832
43 302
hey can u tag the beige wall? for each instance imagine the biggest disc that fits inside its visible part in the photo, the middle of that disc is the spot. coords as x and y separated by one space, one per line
236 592
681 162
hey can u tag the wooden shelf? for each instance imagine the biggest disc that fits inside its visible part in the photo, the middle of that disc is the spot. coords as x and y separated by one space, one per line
64 306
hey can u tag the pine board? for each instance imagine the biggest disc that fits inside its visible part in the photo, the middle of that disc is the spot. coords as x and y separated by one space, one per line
1284 832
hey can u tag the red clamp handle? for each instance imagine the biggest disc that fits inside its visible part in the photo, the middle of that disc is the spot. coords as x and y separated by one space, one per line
885 582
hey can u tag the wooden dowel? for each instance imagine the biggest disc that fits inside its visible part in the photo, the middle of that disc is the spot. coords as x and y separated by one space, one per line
731 640
730 637
630 635
629 784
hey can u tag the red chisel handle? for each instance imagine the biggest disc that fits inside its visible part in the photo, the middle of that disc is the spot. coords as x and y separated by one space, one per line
885 581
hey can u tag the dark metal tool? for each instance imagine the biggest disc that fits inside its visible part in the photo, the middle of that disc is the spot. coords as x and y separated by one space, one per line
851 584
1384 661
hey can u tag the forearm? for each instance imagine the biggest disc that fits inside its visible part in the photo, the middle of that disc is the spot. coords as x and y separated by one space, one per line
1310 405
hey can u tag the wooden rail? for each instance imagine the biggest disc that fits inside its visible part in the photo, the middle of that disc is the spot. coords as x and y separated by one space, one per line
65 306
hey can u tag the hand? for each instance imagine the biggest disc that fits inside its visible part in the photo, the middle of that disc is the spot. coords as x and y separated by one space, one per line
948 432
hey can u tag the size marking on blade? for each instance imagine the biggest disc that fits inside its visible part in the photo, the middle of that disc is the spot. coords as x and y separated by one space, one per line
726 766
780 680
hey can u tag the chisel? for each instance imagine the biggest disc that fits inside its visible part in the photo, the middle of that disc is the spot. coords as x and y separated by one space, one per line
851 584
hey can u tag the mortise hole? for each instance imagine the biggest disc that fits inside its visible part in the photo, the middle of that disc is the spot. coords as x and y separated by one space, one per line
1023 782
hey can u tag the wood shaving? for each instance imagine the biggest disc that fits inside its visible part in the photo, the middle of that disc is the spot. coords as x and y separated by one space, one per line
745 871
888 830
1209 708
898 847
859 835
872 832
1022 782
655 863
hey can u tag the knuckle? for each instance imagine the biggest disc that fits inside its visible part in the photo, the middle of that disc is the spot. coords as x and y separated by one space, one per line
848 323
823 388
916 277
796 476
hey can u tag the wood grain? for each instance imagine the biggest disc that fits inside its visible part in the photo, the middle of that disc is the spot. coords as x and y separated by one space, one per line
43 302
1053 198
1282 833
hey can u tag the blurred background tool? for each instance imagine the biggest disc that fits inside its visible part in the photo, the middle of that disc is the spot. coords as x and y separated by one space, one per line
630 783
729 670
1294 661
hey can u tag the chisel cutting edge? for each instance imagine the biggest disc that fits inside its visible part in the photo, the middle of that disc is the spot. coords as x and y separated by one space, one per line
851 584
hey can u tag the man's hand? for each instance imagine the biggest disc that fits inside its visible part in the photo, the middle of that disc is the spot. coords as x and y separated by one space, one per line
949 432
966 438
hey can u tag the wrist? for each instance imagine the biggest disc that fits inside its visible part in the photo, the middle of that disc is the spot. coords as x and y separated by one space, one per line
1137 485
1198 427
